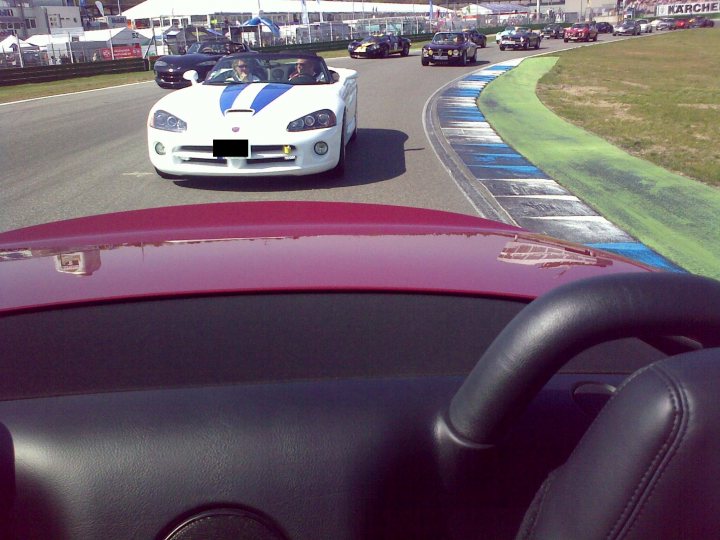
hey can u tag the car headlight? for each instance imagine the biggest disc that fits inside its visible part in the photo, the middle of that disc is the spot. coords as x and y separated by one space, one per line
167 122
371 47
324 118
161 63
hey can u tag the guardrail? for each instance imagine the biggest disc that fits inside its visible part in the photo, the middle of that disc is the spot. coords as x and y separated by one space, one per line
38 74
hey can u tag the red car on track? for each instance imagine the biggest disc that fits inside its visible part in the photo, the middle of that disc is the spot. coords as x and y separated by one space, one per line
581 32
282 370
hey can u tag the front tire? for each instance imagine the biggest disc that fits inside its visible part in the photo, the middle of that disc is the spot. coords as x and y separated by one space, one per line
425 61
502 47
406 50
464 59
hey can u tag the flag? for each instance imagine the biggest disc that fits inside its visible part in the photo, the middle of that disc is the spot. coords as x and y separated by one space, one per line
320 10
305 19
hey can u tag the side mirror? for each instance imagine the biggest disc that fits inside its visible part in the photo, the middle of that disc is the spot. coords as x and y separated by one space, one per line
191 76
335 76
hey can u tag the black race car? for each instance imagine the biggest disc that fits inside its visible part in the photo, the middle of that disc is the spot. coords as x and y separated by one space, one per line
604 28
520 38
449 47
553 31
379 46
200 56
477 37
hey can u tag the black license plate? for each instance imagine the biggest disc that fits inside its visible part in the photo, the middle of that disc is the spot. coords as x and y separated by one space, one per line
231 148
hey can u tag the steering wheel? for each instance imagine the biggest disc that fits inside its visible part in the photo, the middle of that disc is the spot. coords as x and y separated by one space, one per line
566 321
302 79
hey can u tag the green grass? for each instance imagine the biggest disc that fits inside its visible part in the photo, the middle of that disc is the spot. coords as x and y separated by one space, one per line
658 98
672 214
28 91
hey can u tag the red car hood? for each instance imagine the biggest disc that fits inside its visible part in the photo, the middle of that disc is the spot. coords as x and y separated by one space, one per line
283 246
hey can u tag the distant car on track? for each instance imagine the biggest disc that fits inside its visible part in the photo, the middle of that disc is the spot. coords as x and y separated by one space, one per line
581 32
521 38
477 37
701 22
666 23
379 46
508 30
604 27
200 57
449 48
682 23
645 26
553 31
293 117
628 27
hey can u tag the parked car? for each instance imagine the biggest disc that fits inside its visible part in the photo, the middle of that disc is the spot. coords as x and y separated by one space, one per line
520 38
200 57
629 27
553 31
477 37
604 27
645 26
449 47
666 23
581 32
379 46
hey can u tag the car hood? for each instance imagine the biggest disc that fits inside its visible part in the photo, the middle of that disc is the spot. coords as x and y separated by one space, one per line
187 60
264 101
283 246
443 47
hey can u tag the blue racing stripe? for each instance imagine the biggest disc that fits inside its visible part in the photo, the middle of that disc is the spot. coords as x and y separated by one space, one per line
267 95
227 98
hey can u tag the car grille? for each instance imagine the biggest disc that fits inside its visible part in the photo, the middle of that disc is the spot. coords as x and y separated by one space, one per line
274 153
170 77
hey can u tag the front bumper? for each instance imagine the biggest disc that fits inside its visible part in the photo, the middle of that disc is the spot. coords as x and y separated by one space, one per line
292 154
171 79
375 53
436 56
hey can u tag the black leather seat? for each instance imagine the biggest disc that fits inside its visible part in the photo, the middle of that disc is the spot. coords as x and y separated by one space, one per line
648 467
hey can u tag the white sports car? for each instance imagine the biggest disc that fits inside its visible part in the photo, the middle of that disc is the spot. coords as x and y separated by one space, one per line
256 114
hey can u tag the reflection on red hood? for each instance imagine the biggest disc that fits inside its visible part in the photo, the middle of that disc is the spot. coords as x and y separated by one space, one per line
283 246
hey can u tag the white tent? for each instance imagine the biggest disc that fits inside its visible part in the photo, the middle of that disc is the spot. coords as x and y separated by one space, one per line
185 8
10 43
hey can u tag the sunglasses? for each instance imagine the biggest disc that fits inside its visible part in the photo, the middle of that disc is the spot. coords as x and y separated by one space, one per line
241 66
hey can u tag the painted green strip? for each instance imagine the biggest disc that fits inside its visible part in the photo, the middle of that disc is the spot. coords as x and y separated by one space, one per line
676 216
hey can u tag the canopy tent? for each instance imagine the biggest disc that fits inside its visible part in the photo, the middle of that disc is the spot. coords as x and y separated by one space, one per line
186 8
10 43
118 36
259 22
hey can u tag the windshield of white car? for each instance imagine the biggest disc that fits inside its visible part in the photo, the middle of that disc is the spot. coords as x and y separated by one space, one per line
447 37
269 68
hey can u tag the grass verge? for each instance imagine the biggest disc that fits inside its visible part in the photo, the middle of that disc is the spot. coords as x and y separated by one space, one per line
658 98
672 214
29 91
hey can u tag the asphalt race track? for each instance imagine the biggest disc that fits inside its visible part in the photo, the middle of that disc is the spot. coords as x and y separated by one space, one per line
81 154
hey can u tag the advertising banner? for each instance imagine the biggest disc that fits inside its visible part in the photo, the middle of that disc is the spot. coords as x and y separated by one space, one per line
690 8
122 51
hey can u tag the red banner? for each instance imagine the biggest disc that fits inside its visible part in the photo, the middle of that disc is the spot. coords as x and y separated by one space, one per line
122 51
